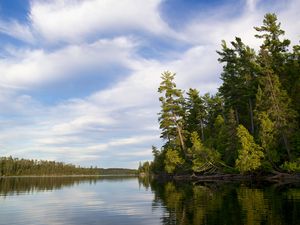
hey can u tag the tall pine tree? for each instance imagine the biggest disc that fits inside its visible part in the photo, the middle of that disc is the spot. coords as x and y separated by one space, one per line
274 102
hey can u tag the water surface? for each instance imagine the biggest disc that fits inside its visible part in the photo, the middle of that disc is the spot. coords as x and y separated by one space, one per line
129 200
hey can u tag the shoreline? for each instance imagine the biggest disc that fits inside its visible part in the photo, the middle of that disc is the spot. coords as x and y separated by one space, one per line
277 178
58 176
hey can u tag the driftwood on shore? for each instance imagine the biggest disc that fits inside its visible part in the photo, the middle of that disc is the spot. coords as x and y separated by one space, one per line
274 177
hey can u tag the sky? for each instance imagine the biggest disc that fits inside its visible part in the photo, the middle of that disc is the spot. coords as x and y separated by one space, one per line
79 78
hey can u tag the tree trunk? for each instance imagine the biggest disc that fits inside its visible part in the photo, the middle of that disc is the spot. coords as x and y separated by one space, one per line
286 144
181 138
202 131
251 116
237 116
179 131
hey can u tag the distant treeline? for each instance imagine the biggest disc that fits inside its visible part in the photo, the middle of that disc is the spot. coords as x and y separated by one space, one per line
117 171
10 166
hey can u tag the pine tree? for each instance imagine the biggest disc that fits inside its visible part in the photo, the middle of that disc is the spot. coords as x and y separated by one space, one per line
239 80
273 46
196 113
172 111
226 137
214 106
274 102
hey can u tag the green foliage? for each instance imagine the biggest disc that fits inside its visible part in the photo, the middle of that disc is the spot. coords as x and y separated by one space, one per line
18 167
117 171
226 138
274 99
250 154
259 100
171 115
23 167
196 113
276 49
291 167
157 166
214 107
267 134
239 80
274 104
172 160
203 158
144 168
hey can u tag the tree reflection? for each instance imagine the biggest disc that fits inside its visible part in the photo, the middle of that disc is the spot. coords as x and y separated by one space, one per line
227 204
19 185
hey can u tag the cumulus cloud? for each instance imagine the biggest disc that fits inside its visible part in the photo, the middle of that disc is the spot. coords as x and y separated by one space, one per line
71 20
27 67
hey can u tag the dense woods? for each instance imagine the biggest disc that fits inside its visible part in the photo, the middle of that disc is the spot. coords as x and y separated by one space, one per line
251 124
19 167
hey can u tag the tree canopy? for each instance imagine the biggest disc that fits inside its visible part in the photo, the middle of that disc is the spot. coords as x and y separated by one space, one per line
250 124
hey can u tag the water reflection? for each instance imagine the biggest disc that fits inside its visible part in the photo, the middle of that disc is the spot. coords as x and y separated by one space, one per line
213 203
132 201
75 200
22 185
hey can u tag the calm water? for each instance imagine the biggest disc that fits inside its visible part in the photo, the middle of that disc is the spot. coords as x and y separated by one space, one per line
114 201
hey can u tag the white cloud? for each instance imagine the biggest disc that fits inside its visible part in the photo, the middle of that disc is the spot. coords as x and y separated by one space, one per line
26 67
251 4
290 22
69 20
17 30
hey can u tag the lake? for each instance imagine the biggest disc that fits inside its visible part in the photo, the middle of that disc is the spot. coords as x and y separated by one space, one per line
134 201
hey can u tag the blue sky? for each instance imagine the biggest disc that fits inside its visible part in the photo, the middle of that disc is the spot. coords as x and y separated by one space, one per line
79 78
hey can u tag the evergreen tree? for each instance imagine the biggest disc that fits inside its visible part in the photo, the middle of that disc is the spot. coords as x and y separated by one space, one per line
250 154
293 70
172 112
267 134
239 80
157 165
227 138
214 106
275 48
274 102
196 113
203 158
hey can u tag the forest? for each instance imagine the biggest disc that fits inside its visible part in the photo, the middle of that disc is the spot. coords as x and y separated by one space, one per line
16 167
251 125
24 167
